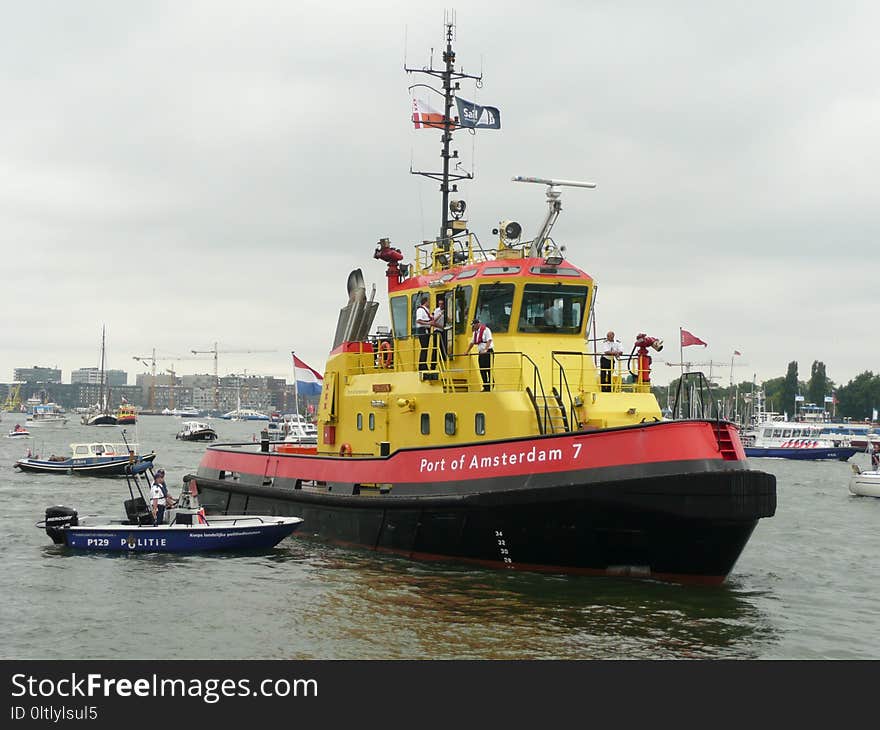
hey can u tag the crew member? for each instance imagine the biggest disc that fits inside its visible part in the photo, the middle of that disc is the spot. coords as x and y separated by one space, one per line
159 497
551 314
423 331
482 338
609 348
438 330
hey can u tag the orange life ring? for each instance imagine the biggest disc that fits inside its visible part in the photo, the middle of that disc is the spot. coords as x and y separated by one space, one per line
386 358
345 450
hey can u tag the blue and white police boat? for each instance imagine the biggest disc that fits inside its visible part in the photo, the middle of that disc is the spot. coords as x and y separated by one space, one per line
185 527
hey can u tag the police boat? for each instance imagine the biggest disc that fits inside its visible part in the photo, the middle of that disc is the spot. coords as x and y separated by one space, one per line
185 528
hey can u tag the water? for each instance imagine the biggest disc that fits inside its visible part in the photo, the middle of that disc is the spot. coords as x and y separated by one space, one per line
806 586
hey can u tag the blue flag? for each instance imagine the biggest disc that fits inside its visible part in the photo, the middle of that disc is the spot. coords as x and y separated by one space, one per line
475 116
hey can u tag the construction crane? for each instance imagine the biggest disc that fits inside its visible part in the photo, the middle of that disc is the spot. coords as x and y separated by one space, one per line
151 360
215 352
171 390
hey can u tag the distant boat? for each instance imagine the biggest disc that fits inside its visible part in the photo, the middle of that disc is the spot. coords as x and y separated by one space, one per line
190 412
245 414
196 431
864 483
126 414
47 414
19 432
100 415
293 428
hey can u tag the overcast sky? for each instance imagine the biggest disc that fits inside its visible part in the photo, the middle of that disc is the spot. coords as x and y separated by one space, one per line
197 172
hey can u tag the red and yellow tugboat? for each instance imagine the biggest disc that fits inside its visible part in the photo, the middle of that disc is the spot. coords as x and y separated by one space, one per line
528 457
126 414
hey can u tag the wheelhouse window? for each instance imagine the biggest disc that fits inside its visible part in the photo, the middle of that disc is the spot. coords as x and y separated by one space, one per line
450 424
494 305
360 421
426 424
553 308
371 420
399 319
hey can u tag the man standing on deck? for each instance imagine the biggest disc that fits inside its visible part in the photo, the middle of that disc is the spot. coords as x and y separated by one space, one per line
159 497
423 330
482 338
438 329
609 348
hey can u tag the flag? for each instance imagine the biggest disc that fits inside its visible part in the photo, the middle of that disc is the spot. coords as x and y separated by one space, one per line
737 352
874 415
829 399
799 399
425 116
688 339
308 381
475 116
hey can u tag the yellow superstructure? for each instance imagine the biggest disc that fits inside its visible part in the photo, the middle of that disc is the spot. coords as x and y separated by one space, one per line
545 374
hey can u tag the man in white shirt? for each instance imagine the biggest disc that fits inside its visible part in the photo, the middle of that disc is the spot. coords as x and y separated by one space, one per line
423 330
551 314
482 338
438 329
159 497
609 348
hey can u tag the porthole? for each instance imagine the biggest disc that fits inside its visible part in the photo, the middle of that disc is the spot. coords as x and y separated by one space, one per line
426 424
480 424
449 423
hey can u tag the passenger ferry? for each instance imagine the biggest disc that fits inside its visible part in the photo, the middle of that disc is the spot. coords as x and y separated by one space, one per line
536 464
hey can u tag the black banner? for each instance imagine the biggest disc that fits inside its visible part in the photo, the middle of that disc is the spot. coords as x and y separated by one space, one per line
391 694
477 117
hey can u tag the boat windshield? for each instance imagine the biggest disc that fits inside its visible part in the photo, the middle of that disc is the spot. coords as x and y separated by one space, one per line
550 307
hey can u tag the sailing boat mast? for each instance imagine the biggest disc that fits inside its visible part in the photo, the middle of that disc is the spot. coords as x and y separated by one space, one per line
450 78
103 394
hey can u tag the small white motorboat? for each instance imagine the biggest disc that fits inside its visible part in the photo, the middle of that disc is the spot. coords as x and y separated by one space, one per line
19 432
864 483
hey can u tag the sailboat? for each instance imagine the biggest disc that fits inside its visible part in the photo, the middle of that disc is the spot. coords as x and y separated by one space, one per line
100 414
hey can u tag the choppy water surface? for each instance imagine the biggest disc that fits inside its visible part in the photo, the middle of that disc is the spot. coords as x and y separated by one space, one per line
806 586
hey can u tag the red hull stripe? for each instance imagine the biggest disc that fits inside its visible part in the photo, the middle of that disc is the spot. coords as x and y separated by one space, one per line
665 442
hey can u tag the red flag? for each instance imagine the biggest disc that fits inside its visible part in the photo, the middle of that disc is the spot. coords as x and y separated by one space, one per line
425 116
688 339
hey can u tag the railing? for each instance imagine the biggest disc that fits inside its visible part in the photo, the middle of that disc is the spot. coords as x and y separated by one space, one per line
694 399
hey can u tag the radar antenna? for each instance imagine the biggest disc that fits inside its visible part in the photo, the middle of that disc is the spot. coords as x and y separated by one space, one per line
554 203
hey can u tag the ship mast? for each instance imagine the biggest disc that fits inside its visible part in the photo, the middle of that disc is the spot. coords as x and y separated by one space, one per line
450 79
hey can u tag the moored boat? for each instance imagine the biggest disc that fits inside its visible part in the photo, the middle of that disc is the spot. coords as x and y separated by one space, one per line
519 456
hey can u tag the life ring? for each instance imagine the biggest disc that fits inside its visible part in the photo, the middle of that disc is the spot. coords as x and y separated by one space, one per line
386 358
345 450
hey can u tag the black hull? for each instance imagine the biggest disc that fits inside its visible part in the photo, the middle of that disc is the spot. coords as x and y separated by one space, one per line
208 436
688 527
102 420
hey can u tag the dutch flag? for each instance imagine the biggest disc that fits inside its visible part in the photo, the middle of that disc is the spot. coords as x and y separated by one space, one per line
308 381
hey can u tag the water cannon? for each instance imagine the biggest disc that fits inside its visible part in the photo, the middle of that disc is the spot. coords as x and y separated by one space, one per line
391 256
644 341
386 252
642 358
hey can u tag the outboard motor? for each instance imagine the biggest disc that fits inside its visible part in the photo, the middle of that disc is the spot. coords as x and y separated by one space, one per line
57 518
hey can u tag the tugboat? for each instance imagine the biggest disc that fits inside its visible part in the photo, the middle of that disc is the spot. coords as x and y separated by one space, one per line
522 457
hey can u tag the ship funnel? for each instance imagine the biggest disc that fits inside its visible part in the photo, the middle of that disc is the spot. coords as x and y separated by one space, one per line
356 317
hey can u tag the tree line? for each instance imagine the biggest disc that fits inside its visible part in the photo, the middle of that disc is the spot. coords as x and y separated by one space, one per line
856 400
